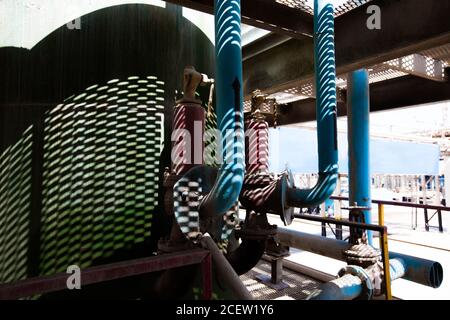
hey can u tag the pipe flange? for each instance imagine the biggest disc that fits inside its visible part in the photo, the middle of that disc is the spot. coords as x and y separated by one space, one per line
368 290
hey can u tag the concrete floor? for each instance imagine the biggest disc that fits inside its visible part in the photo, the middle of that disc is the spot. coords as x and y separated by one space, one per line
402 238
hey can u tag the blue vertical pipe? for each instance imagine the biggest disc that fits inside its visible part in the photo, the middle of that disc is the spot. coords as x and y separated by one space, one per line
358 105
229 108
325 79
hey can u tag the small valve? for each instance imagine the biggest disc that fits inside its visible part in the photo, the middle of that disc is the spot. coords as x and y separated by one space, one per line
263 107
206 80
192 79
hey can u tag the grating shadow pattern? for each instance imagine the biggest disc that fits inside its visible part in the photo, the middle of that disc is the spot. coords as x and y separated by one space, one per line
100 175
306 6
440 53
299 286
15 207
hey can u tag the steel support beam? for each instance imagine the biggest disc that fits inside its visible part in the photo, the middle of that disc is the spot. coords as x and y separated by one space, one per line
408 26
419 65
264 14
405 91
114 271
263 44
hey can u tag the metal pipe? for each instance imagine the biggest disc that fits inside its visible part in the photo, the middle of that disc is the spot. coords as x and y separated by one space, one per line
396 268
188 128
426 272
400 204
262 192
229 109
348 287
325 79
320 245
225 271
257 148
187 137
247 255
423 271
359 143
351 287
305 270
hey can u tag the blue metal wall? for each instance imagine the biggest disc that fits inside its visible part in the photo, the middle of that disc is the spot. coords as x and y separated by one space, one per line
297 148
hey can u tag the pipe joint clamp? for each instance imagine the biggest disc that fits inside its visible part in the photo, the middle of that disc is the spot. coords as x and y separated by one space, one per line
368 290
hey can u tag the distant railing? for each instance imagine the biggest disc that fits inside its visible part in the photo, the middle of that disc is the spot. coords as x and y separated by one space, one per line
382 203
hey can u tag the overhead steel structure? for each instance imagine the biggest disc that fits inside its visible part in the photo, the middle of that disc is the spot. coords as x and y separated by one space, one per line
284 64
412 49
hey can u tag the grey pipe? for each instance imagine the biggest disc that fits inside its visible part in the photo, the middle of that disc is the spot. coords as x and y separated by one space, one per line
302 269
422 271
350 287
225 270
304 241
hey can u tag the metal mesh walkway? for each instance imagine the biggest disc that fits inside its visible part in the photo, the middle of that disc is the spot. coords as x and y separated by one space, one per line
299 286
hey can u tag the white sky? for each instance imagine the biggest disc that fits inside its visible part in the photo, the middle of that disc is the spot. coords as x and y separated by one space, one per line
412 120
403 122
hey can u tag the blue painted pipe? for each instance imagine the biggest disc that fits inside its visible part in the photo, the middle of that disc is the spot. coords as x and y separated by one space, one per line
350 287
325 79
229 108
427 272
358 142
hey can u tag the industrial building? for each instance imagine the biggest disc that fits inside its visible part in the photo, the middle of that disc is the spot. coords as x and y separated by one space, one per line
225 150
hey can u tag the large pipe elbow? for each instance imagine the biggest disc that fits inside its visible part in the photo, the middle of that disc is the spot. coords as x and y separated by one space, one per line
247 255
229 109
304 198
224 193
326 102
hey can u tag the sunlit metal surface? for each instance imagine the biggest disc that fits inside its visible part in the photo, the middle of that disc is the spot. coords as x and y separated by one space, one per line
299 286
441 53
15 207
100 178
340 6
